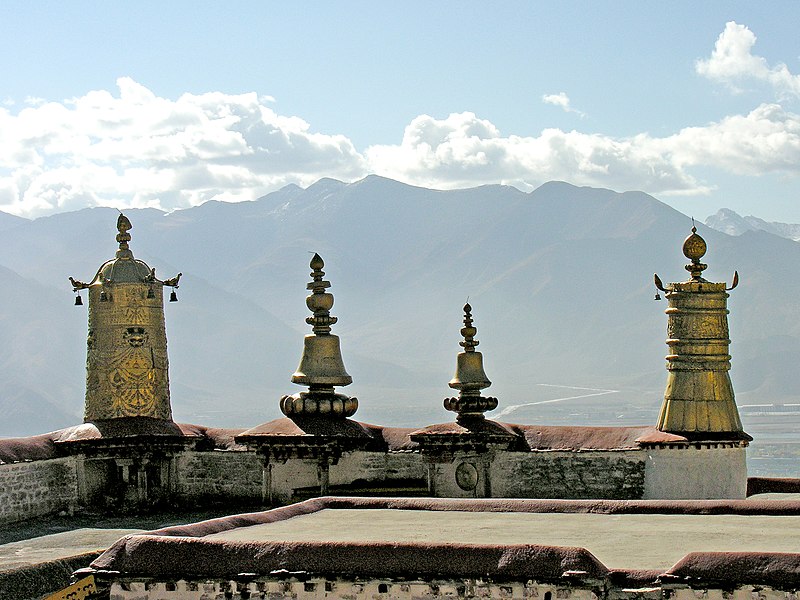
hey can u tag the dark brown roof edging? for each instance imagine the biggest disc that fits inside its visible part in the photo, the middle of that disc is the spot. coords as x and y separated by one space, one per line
777 569
772 485
181 557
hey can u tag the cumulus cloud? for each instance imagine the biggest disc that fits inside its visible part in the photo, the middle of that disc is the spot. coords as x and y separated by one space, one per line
137 149
562 101
733 63
463 150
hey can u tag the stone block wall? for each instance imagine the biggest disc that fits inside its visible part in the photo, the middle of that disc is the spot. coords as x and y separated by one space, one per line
554 474
34 489
377 467
218 476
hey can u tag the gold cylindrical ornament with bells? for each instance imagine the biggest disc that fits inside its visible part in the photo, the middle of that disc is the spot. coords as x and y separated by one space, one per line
470 378
699 399
321 366
126 361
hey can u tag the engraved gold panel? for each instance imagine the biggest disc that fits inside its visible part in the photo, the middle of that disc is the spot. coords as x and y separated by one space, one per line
127 367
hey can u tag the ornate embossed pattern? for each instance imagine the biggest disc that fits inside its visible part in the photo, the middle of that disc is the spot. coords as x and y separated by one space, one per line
127 368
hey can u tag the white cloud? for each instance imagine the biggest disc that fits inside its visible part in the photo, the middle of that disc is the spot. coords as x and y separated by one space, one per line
463 150
137 149
733 63
562 101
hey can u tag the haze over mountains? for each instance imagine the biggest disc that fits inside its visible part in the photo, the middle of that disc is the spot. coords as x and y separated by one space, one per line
560 281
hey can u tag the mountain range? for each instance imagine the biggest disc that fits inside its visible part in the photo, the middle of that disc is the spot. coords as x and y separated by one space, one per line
732 223
560 281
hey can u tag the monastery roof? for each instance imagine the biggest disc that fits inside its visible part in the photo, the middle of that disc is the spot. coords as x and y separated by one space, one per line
532 437
44 446
300 427
723 541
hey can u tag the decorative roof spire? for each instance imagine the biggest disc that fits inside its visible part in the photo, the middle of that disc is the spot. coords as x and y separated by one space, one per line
321 366
468 331
126 366
694 248
319 302
123 237
698 401
470 378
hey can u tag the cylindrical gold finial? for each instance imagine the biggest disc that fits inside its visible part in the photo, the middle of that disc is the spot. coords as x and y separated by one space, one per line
470 377
321 366
698 401
126 365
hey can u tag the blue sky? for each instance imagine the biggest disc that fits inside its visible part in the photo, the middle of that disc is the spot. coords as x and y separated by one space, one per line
169 104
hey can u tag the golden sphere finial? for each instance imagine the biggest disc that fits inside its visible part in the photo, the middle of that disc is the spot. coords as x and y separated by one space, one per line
694 246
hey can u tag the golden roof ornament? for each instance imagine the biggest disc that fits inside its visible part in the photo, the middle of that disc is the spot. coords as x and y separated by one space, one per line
699 400
470 378
321 366
694 248
126 365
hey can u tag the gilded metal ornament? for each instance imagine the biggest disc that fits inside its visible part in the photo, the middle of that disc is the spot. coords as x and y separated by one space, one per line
126 363
321 366
470 378
699 397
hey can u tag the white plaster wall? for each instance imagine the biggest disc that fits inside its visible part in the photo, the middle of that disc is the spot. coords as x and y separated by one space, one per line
363 589
695 473
294 474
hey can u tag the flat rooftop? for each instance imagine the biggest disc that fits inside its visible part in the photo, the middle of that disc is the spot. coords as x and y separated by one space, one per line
619 541
525 539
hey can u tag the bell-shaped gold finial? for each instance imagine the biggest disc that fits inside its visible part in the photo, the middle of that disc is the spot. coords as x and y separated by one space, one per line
470 378
321 366
699 400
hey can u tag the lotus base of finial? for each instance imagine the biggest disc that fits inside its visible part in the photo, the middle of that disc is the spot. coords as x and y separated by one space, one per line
324 404
473 406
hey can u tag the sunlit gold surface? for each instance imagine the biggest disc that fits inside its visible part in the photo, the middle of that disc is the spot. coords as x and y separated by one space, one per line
470 378
126 363
321 366
126 368
699 396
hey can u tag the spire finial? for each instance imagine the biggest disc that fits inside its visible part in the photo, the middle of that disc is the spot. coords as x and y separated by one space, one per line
694 248
468 331
123 237
319 302
321 366
470 378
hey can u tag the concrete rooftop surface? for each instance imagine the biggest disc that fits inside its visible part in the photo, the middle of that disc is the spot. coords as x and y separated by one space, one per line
620 541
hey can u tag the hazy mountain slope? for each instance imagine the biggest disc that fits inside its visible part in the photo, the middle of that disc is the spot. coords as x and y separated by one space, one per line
8 221
560 281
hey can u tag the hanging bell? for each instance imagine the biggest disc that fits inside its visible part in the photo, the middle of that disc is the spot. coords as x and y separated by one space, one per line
151 294
78 300
103 296
657 296
173 297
